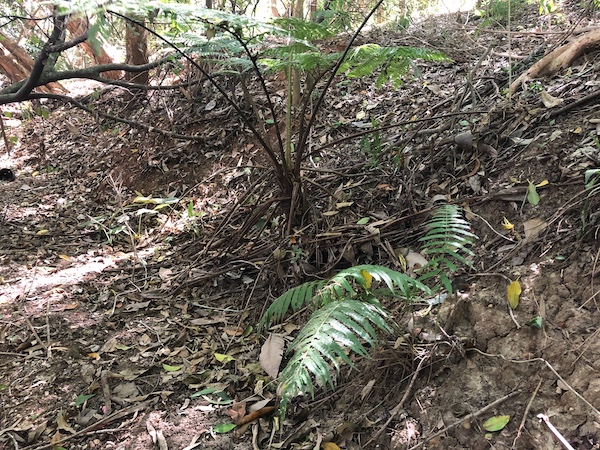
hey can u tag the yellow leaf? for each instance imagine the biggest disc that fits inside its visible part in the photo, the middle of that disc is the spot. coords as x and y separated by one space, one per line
368 279
223 358
42 232
402 259
65 257
542 183
94 355
506 224
514 291
329 446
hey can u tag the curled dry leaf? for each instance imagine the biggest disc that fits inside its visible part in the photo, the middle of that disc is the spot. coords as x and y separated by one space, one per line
271 354
550 101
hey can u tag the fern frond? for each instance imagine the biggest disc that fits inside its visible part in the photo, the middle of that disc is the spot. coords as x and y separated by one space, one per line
447 240
293 299
303 29
394 61
323 344
346 284
447 233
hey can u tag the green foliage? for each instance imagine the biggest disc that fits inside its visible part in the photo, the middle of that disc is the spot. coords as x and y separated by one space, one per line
548 7
447 238
498 10
304 30
346 313
394 62
323 343
349 283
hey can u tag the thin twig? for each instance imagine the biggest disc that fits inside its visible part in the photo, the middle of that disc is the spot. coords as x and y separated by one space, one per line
467 417
104 421
35 333
400 405
527 361
526 413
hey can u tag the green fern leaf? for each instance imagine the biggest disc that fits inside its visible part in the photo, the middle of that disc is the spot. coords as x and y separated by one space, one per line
322 344
447 240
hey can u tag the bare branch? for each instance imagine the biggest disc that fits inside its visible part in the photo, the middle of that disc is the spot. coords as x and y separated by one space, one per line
92 73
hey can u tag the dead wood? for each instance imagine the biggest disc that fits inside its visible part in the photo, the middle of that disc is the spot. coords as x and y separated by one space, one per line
560 58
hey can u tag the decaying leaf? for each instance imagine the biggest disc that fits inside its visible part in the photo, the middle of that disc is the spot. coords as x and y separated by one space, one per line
550 101
464 140
367 389
63 425
237 412
271 354
414 261
514 292
534 227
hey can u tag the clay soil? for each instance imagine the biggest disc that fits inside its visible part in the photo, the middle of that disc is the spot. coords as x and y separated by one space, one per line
132 281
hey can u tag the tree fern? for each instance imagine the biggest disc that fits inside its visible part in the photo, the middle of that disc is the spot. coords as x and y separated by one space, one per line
447 239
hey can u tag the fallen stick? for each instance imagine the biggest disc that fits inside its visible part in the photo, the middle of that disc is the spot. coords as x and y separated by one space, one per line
467 417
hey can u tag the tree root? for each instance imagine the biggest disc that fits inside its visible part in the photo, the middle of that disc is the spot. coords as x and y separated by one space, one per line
560 58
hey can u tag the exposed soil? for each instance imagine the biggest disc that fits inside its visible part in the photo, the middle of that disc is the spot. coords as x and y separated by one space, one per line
106 297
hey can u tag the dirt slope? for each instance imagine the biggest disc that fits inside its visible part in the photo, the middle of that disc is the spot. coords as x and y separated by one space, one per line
113 315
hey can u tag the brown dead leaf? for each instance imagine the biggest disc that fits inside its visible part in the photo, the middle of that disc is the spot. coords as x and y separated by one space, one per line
63 425
256 414
237 412
550 101
271 354
534 227
234 331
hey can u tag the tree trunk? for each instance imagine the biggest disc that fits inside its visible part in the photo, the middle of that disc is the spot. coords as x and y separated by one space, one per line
98 55
136 51
16 64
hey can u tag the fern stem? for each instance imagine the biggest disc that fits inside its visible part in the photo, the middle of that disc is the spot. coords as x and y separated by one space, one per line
303 138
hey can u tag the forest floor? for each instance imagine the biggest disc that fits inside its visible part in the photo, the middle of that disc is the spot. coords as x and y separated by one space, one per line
131 323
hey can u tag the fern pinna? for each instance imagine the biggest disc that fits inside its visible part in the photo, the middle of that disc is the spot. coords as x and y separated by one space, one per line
448 237
348 316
